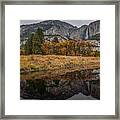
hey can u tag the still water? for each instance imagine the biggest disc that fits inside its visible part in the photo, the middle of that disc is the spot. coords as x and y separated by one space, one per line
77 85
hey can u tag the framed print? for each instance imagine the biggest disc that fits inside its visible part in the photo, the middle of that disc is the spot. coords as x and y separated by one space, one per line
59 59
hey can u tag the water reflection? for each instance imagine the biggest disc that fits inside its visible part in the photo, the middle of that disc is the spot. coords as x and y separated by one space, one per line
61 87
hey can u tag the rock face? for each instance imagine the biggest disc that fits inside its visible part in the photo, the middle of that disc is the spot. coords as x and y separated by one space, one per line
65 30
94 30
79 33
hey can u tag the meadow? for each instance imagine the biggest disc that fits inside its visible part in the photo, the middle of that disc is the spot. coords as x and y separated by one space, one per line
58 64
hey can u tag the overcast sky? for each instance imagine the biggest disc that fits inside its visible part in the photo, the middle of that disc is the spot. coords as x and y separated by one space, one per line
77 23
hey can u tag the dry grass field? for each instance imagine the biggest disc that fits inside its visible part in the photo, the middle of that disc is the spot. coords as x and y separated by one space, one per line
56 64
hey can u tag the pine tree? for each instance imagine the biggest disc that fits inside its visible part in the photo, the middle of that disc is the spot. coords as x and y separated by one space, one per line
29 45
38 40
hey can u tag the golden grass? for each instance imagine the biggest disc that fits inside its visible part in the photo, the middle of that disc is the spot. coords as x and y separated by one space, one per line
55 63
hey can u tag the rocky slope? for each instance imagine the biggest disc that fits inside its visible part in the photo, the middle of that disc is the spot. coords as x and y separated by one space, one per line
65 30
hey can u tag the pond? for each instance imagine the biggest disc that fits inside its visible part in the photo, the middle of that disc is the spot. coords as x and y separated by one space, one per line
76 85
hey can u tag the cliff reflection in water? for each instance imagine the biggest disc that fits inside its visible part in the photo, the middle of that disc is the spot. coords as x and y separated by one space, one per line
61 87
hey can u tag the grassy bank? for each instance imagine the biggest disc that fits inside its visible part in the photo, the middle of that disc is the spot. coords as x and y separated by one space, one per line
57 64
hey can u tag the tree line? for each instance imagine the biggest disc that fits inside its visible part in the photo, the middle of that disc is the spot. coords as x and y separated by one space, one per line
37 45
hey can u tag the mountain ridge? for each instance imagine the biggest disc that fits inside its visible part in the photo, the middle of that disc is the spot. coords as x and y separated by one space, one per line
66 30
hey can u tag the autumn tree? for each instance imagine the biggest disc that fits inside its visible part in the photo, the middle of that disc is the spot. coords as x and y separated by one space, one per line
55 40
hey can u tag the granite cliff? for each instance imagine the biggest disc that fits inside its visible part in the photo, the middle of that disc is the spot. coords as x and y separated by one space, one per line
63 29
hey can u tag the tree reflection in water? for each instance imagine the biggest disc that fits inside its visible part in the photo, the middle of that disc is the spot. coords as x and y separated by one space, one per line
62 87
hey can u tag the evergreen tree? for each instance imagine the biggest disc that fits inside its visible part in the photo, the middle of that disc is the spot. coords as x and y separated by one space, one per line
38 40
28 45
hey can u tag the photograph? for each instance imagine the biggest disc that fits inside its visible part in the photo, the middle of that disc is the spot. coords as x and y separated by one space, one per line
60 59
60 54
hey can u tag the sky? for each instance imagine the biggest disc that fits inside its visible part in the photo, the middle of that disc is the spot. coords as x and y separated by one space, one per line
77 23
